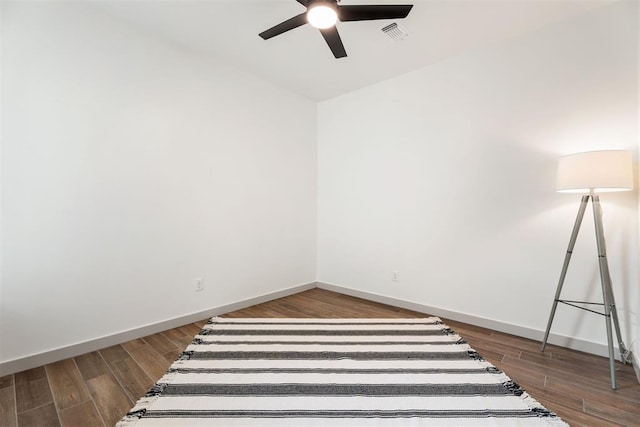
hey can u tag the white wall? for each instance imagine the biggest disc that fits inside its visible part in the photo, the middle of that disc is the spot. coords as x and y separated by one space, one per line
447 176
129 170
635 346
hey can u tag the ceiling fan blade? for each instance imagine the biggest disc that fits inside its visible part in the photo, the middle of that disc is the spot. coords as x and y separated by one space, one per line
332 38
371 12
285 26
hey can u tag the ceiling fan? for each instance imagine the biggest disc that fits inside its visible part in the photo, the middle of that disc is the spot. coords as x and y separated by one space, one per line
323 14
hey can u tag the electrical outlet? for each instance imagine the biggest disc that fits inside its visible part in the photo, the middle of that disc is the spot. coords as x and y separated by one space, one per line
394 276
199 285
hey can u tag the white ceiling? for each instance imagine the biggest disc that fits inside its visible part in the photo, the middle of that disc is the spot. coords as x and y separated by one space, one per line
301 61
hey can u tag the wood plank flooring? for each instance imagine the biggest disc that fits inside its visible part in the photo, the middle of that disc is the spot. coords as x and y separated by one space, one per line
97 389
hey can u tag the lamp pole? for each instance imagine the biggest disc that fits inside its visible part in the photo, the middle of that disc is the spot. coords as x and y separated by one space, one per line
608 170
609 304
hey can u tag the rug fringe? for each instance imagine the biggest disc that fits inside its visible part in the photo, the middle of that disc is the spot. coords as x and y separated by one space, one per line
141 406
474 354
138 411
134 415
542 412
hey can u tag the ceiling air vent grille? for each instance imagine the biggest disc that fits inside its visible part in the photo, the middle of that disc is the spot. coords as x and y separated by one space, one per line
395 32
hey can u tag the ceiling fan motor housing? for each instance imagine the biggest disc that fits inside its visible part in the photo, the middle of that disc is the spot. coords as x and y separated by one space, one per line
329 13
322 13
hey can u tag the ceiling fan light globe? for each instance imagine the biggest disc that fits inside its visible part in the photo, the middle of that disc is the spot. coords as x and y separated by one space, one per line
322 16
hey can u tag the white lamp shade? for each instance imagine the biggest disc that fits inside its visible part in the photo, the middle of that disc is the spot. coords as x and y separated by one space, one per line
599 171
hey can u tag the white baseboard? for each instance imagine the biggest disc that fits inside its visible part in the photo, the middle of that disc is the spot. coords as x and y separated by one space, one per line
40 359
635 359
496 325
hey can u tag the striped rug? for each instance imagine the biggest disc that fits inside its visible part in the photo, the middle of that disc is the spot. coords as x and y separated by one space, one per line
334 372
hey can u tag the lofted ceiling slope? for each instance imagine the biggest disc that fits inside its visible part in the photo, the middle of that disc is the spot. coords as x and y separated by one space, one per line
301 61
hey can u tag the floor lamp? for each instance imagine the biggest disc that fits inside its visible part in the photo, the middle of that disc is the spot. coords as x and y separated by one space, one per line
591 173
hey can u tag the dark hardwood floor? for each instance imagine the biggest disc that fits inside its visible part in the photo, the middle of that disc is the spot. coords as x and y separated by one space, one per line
97 389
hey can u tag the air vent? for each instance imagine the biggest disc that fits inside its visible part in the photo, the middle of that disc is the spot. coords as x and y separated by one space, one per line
395 32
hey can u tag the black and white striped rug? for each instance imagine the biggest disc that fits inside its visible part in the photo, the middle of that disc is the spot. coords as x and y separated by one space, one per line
334 372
